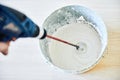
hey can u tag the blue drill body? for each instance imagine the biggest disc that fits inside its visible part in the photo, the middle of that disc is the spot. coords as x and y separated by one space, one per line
15 24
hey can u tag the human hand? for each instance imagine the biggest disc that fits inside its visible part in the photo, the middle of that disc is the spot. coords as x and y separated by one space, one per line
4 47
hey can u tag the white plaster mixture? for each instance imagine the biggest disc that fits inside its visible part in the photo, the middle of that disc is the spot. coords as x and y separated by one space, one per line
68 57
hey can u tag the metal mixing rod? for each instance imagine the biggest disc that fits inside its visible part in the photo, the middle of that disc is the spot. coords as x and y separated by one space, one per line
60 40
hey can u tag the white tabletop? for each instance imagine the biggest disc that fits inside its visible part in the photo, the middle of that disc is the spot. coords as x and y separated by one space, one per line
25 60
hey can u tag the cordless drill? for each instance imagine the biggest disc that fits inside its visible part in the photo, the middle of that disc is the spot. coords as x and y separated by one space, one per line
14 24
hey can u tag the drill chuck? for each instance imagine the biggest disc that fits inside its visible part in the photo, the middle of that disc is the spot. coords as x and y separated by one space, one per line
40 33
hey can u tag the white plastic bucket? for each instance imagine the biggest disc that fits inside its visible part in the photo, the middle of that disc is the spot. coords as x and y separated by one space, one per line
78 25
